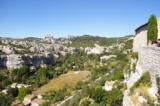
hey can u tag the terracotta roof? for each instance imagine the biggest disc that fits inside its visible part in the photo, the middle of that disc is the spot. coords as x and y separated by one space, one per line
38 101
14 84
25 102
110 83
30 96
20 85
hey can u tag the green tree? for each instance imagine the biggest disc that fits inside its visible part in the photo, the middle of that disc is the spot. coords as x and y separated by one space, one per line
85 103
97 94
22 93
42 73
5 100
152 28
114 97
13 91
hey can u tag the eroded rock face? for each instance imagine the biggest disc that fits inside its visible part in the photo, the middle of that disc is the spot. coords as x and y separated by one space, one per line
38 59
96 50
49 38
8 49
3 60
13 61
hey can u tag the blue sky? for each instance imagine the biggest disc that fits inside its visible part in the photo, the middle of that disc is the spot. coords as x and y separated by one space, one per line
107 18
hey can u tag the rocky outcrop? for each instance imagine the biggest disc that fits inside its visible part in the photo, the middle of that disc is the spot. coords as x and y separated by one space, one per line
96 50
38 59
49 38
13 61
7 49
3 60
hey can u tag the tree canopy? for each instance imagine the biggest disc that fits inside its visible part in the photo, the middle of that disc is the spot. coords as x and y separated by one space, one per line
22 93
152 28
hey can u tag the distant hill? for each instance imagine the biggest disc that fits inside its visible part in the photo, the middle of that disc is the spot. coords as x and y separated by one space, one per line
31 38
89 41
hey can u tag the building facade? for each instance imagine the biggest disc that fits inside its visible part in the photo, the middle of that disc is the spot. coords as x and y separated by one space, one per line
140 34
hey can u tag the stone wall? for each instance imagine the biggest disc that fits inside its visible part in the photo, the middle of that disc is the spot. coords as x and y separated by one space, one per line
140 38
149 60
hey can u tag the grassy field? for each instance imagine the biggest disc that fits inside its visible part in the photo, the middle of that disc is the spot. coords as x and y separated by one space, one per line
69 78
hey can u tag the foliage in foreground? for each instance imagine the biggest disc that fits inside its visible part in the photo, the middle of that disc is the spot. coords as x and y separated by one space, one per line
5 100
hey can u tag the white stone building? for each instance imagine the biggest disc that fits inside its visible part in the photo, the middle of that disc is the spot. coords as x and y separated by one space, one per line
140 34
109 85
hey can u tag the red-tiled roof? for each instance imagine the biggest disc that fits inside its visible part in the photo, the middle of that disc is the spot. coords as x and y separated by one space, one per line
38 101
30 96
110 83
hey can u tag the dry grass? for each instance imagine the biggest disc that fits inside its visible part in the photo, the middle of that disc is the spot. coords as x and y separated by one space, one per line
142 91
70 79
135 98
145 94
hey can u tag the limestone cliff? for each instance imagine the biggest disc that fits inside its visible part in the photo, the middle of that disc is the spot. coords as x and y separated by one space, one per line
13 61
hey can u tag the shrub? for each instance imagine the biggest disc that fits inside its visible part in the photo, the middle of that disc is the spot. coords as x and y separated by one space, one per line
134 55
134 67
85 103
145 79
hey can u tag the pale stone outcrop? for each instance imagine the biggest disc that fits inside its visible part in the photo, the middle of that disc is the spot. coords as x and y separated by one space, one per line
107 57
8 49
49 38
13 61
96 50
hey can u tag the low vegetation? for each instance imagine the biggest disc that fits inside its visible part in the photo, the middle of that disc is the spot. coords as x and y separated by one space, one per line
69 79
89 41
145 79
140 88
61 80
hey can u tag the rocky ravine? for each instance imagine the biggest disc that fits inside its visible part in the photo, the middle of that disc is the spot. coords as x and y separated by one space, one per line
31 52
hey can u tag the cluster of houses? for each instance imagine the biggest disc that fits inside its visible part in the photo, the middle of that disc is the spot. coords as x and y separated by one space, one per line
30 100
15 85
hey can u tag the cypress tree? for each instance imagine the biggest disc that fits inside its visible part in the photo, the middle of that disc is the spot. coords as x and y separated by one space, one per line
152 32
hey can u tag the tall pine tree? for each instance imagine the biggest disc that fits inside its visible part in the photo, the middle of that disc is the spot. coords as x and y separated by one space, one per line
152 28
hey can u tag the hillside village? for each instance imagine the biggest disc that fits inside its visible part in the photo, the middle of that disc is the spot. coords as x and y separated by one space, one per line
81 71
